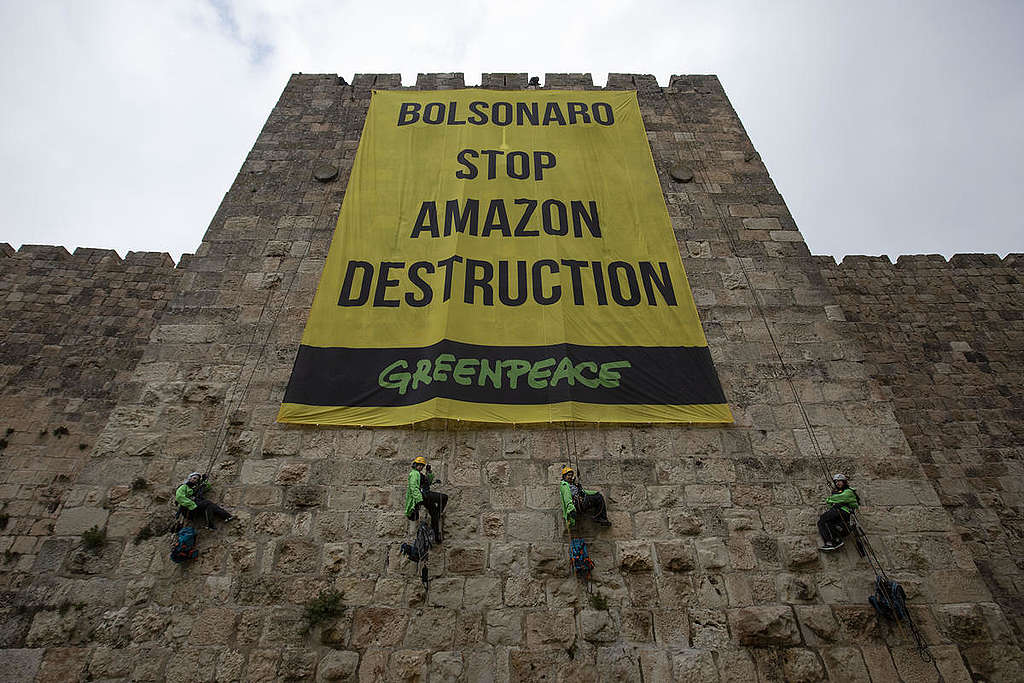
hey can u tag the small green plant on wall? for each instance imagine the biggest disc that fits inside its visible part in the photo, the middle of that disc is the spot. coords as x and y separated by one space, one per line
94 538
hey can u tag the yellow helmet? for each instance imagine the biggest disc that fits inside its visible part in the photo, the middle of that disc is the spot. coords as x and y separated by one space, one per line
566 470
420 461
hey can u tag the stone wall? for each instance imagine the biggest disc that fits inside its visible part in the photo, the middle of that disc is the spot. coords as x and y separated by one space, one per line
73 328
945 340
709 572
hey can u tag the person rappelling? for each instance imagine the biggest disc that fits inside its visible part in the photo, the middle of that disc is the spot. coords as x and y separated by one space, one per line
192 501
418 494
576 501
834 523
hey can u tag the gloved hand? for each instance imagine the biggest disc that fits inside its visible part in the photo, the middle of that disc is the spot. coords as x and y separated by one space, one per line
428 468
204 477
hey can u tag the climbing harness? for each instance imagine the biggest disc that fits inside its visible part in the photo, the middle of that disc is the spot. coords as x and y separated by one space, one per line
853 528
580 564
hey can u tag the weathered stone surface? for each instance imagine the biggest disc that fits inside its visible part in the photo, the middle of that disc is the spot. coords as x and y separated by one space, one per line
764 626
598 626
675 556
504 627
378 626
20 664
74 521
550 628
119 377
635 556
339 666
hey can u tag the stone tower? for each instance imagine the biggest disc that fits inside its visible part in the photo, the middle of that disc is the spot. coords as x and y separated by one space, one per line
118 377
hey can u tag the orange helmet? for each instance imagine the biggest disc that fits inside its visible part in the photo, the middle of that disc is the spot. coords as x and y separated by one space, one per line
420 460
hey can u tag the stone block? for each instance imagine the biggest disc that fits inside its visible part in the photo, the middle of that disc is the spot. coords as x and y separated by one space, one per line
598 626
213 626
766 626
466 560
432 628
295 555
963 623
504 627
73 521
52 628
801 665
672 627
378 627
712 553
694 666
675 556
521 591
20 664
550 628
846 663
799 552
481 591
446 592
685 524
816 623
634 556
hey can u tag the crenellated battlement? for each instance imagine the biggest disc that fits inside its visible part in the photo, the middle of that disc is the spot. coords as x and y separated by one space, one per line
86 256
645 83
1011 260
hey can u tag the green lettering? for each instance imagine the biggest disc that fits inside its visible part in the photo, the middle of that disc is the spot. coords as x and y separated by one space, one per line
442 366
422 374
539 373
590 382
486 372
463 373
516 369
390 378
566 371
607 375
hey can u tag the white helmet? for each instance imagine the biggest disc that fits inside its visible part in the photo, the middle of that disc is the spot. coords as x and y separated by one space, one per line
839 477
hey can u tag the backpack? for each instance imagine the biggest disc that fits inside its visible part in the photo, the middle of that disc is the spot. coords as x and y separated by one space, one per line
889 600
184 547
420 548
581 562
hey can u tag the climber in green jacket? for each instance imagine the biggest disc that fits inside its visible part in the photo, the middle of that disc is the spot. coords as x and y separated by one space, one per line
576 499
834 523
418 494
191 500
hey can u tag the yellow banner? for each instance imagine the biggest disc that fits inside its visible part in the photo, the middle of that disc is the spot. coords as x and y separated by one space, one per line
503 256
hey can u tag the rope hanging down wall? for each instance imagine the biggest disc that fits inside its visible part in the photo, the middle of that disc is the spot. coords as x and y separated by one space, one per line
882 580
222 432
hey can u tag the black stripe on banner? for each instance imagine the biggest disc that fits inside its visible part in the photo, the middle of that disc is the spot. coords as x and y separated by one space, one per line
658 375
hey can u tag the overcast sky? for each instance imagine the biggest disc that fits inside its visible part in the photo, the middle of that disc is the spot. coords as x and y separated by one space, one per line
889 127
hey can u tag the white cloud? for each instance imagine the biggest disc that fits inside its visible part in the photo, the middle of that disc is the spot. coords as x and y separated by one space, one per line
888 128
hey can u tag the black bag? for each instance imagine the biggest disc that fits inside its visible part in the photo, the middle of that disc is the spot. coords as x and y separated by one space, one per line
889 600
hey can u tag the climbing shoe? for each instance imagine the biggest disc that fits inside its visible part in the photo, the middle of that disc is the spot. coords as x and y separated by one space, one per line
829 547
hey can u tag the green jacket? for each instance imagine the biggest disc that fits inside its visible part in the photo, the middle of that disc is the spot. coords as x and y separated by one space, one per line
845 499
568 508
414 493
186 493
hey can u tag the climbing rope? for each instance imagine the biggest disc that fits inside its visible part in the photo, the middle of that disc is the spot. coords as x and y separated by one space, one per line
222 432
860 535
